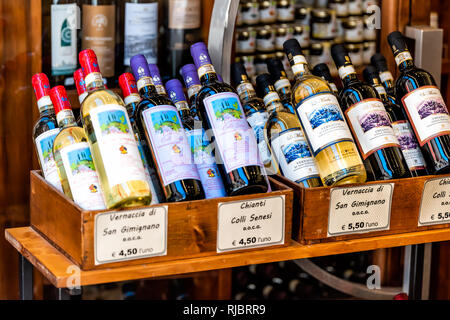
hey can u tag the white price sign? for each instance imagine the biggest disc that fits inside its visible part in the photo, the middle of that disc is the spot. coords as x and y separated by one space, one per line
435 204
131 234
250 223
360 209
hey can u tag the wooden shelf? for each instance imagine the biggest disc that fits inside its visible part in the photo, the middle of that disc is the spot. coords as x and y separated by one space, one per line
55 266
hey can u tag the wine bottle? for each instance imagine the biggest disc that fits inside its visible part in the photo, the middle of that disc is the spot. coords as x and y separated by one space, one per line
281 82
256 113
379 62
99 33
221 112
201 150
402 129
159 120
73 157
321 70
183 29
156 78
64 16
424 105
369 121
45 130
323 123
140 30
285 138
132 98
193 86
111 137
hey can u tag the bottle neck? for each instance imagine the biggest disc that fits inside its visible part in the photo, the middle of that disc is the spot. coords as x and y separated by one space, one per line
183 108
148 91
246 91
94 81
404 60
65 118
272 100
347 74
131 103
283 86
207 74
45 104
192 92
299 66
381 91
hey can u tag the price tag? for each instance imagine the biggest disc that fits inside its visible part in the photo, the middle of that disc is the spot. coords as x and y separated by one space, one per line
250 224
435 204
131 234
360 209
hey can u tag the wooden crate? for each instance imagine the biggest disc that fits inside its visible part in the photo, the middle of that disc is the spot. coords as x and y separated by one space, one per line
311 210
191 232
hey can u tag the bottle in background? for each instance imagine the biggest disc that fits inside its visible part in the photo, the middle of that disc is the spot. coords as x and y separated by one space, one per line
379 62
402 129
201 150
73 157
111 137
369 121
424 105
326 130
285 138
281 82
45 130
132 98
158 119
157 81
221 111
99 33
321 70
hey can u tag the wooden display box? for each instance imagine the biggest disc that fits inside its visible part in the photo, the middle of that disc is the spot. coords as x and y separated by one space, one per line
311 210
191 226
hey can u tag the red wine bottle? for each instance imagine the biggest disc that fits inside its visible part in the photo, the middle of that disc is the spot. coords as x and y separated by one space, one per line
424 105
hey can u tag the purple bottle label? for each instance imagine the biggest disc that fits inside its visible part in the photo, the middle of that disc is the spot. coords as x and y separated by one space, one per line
235 139
206 165
170 144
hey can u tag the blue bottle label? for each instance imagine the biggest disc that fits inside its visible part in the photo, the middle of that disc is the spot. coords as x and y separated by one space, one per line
206 165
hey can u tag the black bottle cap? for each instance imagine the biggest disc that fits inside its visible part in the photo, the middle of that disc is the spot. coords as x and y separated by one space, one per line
292 48
322 70
370 73
263 82
340 55
397 42
276 69
238 73
379 62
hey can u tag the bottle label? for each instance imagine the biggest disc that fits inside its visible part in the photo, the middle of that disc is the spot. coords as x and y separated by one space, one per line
245 89
64 38
82 177
294 156
44 145
345 71
370 124
281 84
380 89
184 14
169 144
99 31
206 164
194 89
265 44
132 98
409 145
234 138
118 149
386 76
323 30
268 14
323 121
141 31
258 121
427 113
286 14
402 57
246 46
271 97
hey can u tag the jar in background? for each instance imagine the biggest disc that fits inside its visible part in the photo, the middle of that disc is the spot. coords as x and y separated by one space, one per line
268 11
353 30
302 35
355 51
322 26
265 40
245 43
369 49
302 16
340 8
315 54
282 34
261 63
355 7
285 11
250 12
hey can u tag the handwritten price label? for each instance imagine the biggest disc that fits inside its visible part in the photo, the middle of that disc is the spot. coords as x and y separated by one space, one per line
435 204
131 234
250 224
360 209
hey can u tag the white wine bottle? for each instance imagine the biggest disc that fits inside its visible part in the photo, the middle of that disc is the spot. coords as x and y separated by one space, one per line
111 137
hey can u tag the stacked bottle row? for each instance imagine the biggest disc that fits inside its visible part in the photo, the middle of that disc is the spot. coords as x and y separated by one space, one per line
263 27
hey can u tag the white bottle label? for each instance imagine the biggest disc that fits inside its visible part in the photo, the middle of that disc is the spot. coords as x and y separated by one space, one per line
434 207
82 176
286 14
293 155
408 143
116 142
323 30
170 144
246 46
427 113
323 121
44 146
371 126
141 31
64 38
265 44
184 14
258 121
386 76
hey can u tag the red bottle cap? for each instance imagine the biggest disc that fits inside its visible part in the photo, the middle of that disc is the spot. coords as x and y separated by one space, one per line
79 81
88 61
59 98
128 84
41 85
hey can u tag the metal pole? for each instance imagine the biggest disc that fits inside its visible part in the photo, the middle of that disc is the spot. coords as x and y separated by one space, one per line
25 278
